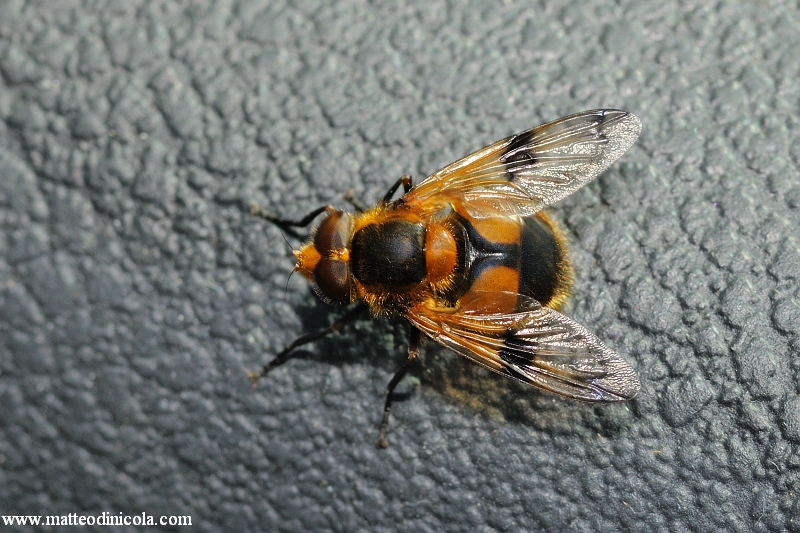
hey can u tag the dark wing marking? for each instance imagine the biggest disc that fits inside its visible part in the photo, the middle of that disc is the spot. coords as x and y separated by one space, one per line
535 344
525 172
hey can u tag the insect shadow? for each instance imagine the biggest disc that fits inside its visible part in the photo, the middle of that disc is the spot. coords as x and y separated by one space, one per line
445 374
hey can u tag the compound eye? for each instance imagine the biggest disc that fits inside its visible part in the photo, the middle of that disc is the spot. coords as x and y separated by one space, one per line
333 234
333 280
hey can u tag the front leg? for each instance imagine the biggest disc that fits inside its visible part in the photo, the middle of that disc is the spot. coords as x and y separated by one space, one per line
285 223
415 341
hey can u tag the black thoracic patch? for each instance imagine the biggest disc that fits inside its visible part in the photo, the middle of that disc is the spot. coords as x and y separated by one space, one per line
390 253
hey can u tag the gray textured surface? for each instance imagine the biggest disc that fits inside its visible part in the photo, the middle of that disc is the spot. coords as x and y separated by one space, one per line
135 290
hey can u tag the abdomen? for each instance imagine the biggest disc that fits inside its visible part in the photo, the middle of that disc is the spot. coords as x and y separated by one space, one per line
524 255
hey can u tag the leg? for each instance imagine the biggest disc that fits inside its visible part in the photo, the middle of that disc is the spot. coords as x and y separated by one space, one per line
405 181
303 222
351 199
414 345
286 353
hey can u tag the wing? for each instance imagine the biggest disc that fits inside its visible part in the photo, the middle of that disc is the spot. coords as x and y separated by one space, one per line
535 344
525 172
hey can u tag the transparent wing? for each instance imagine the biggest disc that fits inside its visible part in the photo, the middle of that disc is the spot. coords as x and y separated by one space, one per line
535 344
528 171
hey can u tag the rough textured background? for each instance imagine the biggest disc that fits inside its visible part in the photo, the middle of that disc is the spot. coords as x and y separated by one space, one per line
135 289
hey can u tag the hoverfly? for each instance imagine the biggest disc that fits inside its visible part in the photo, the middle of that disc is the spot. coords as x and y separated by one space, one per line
469 258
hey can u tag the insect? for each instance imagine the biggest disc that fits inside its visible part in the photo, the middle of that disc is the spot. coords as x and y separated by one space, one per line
469 258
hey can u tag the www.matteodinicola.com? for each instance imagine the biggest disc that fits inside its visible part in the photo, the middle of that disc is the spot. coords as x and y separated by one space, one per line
104 519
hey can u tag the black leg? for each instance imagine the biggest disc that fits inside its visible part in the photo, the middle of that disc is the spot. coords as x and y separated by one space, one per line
303 222
405 181
414 345
351 199
287 352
